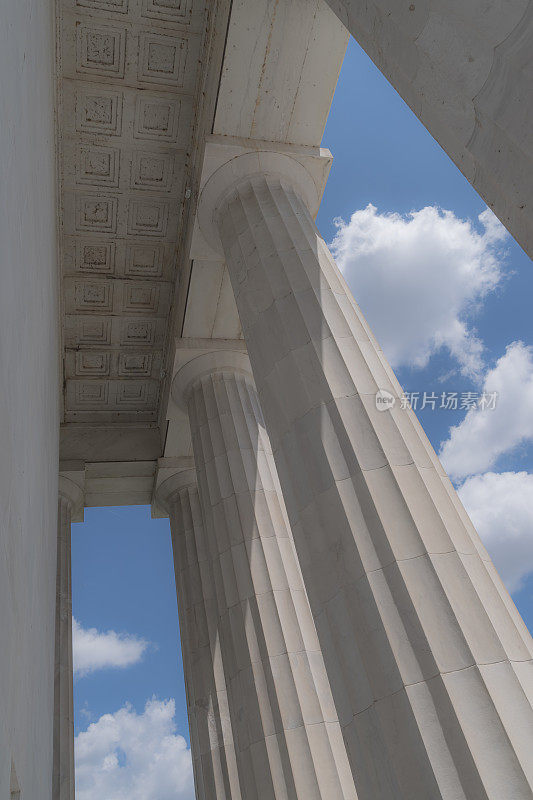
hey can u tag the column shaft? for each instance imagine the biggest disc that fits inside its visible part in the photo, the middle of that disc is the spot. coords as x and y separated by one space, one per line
212 745
63 766
429 661
287 737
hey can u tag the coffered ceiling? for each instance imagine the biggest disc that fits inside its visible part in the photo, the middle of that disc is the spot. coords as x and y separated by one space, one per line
127 101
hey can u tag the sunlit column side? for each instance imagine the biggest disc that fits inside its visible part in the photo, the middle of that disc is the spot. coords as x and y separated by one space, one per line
288 743
212 741
70 497
428 658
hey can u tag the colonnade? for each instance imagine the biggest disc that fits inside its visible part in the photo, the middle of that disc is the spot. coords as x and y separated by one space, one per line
344 632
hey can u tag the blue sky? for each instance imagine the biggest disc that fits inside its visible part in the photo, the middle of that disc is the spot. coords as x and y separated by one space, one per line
422 235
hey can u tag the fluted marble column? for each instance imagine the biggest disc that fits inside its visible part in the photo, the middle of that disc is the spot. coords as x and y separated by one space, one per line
288 742
212 741
429 661
70 496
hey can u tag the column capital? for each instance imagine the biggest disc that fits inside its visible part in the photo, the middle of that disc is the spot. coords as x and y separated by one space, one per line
228 162
168 488
71 489
207 364
171 476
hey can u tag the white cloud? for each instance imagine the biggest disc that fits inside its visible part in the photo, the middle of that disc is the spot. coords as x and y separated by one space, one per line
94 650
417 279
501 508
130 756
476 443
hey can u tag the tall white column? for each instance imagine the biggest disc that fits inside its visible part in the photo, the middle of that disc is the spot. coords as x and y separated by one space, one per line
429 661
212 741
288 742
70 497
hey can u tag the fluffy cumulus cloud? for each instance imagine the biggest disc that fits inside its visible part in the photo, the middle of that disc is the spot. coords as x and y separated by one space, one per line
418 278
93 649
477 442
130 756
501 508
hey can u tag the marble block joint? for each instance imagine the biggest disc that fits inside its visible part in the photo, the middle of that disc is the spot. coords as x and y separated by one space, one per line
429 661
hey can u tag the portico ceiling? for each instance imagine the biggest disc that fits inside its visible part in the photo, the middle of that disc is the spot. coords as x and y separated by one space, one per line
141 85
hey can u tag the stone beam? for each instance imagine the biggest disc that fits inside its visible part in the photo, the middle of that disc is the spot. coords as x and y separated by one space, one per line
280 69
464 68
